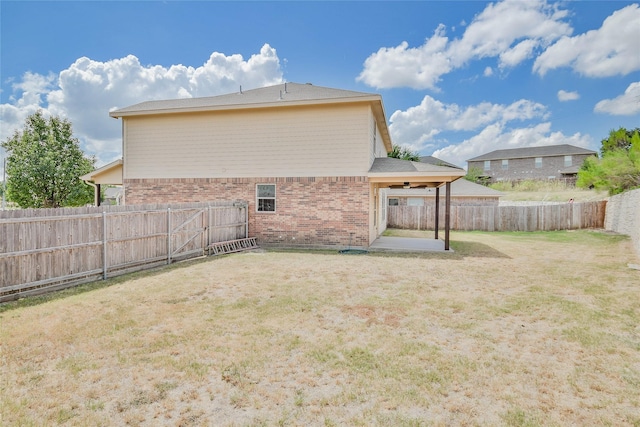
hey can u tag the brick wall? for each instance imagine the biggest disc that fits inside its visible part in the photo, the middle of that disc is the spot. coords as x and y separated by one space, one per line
519 169
311 212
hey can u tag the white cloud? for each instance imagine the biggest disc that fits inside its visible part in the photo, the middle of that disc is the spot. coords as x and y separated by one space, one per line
417 68
418 126
608 51
432 123
496 137
517 54
511 30
563 95
488 72
501 25
85 92
626 104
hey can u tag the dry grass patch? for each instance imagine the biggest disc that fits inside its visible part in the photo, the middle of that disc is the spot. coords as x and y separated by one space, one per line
549 191
513 329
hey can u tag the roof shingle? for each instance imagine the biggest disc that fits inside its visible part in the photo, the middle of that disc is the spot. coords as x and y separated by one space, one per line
286 93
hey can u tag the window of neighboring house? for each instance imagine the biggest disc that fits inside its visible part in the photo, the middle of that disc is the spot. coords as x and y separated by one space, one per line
266 198
393 202
415 201
538 162
487 165
568 161
505 164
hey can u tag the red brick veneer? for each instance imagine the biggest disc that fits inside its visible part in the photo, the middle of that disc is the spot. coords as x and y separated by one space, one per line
310 211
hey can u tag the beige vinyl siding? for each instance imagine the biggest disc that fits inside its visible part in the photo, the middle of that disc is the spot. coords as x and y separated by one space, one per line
377 143
302 141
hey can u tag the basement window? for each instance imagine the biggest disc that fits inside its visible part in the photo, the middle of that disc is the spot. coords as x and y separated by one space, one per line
266 198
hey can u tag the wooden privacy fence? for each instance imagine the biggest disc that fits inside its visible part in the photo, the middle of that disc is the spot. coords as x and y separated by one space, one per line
48 249
566 216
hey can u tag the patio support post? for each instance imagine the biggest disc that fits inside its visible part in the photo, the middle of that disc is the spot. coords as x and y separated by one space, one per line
437 225
447 215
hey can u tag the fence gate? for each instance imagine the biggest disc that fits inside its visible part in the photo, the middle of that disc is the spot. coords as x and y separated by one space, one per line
187 233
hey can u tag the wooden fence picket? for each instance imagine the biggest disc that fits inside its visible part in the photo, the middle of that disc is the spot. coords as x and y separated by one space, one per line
46 249
564 216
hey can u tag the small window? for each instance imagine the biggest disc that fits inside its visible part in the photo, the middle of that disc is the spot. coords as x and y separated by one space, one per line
266 198
505 164
538 162
415 201
393 202
568 161
487 165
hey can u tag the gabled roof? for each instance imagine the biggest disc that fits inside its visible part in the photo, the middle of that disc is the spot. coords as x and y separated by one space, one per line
436 161
282 95
110 173
391 171
545 151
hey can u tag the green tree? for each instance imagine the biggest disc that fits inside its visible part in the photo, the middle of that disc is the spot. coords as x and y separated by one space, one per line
403 153
44 163
474 175
618 168
620 138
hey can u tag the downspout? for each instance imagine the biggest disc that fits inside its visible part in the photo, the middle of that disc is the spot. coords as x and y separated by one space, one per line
96 192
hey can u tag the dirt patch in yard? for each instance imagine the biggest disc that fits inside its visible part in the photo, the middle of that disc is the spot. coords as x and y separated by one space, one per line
512 329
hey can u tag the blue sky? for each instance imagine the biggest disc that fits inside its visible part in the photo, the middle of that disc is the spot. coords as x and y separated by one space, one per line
458 78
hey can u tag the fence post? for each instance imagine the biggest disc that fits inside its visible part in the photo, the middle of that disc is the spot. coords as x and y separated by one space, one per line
246 220
208 229
168 235
105 267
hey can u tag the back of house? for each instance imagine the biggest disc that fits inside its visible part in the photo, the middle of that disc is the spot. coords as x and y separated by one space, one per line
301 155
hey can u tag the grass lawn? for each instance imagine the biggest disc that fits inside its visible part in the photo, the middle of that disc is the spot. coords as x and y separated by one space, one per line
513 329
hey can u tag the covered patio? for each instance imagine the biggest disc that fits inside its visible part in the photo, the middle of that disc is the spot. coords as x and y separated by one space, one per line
387 172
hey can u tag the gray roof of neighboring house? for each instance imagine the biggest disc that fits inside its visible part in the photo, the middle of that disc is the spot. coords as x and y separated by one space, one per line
459 188
285 93
436 161
545 151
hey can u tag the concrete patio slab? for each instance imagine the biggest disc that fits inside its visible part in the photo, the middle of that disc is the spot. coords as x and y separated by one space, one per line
407 244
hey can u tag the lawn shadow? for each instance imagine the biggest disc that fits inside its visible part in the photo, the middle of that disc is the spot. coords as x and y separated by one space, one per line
460 250
82 288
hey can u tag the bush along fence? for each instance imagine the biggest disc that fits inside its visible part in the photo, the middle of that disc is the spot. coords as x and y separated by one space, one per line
49 249
566 216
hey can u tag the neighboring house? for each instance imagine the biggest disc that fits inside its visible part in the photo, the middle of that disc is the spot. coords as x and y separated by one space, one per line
548 162
463 192
112 196
310 161
109 174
